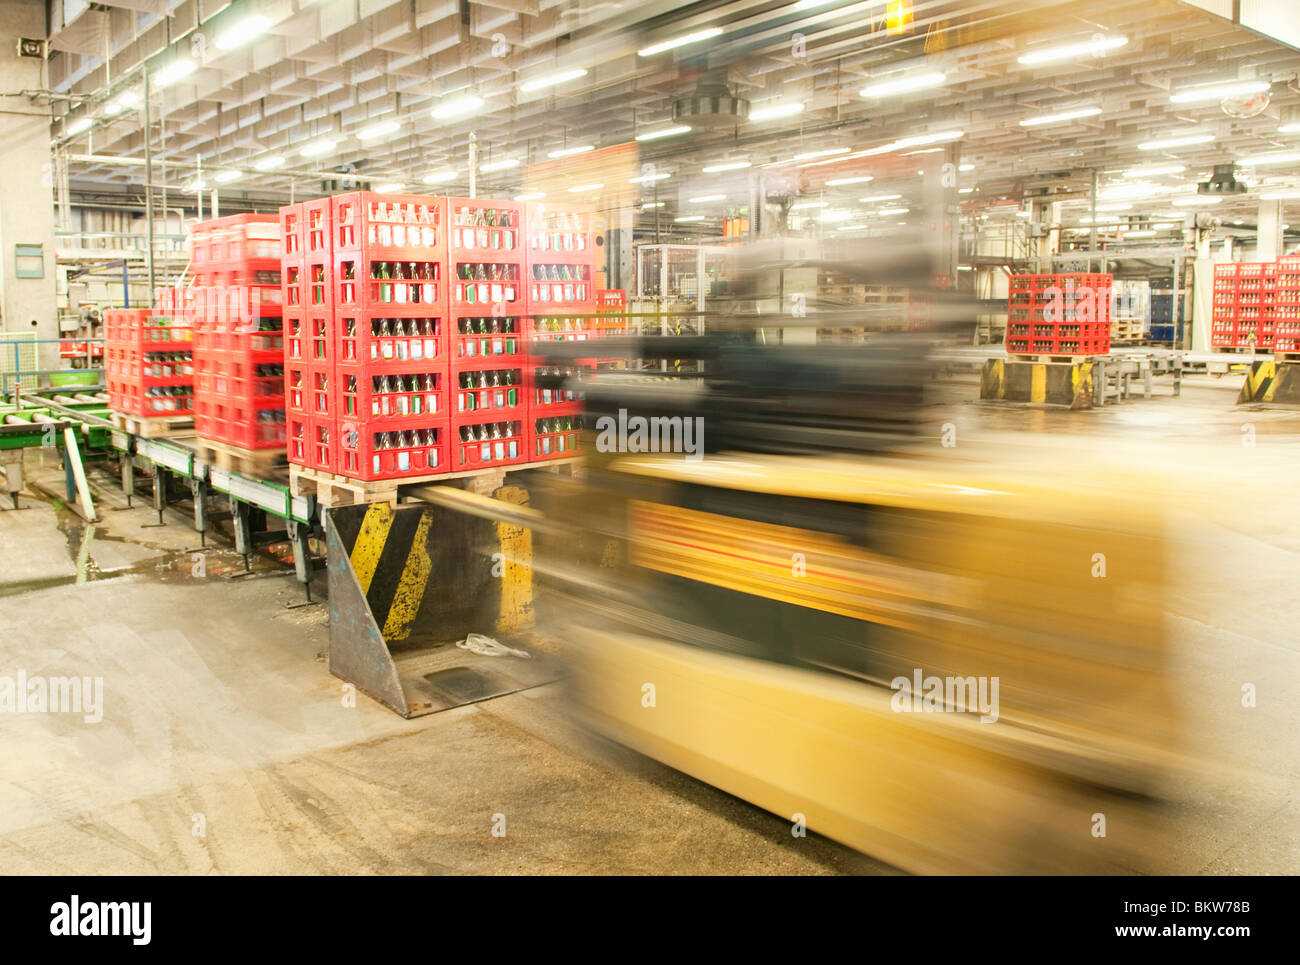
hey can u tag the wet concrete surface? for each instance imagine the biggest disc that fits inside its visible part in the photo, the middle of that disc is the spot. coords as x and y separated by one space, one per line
226 746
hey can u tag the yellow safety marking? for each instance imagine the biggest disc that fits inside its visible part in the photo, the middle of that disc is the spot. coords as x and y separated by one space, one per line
785 563
516 574
410 589
370 543
1038 383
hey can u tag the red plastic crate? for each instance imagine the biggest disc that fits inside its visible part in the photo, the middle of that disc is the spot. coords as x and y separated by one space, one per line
309 336
371 338
471 239
560 287
417 393
311 442
559 233
488 443
477 340
380 286
393 448
553 437
311 390
292 244
492 393
545 397
390 227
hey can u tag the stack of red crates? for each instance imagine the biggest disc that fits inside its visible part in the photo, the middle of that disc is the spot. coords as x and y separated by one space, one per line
562 306
1059 314
488 336
148 365
1286 305
407 325
306 276
234 303
1244 294
366 346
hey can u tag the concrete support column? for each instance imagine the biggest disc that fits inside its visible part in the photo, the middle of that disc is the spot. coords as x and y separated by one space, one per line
938 222
26 190
1269 231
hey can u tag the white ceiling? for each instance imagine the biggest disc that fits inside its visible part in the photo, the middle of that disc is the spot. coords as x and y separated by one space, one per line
333 67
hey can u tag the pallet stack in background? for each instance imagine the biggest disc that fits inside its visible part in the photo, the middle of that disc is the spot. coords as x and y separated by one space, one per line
1064 314
1286 306
149 363
1243 305
1131 318
234 303
407 321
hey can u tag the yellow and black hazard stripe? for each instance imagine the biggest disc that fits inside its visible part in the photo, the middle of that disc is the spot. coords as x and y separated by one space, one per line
424 560
1272 381
1047 383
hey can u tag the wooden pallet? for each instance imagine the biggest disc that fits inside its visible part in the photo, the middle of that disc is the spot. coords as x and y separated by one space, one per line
331 489
1054 359
1286 356
153 427
250 462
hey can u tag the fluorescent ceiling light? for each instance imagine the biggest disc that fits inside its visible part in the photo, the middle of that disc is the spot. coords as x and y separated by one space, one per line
226 176
269 163
317 147
457 105
769 112
690 217
389 187
551 80
1195 200
925 150
502 165
585 187
1293 128
863 179
530 196
121 103
824 152
834 217
726 166
82 123
1060 117
879 197
809 204
1143 233
440 176
664 132
647 178
852 227
195 186
706 198
682 41
965 167
1185 140
888 211
178 69
242 32
1024 214
379 129
1095 48
1155 170
1259 159
965 190
1217 92
903 85
571 151
891 147
651 204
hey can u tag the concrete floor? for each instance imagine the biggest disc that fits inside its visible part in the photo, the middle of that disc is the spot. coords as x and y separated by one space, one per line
220 713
